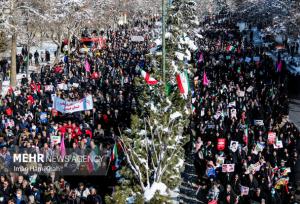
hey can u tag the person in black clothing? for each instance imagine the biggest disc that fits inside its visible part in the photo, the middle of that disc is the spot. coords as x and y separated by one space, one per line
227 196
36 57
47 54
93 198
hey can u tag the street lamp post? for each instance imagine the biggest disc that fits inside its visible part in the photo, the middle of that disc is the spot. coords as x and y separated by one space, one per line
163 41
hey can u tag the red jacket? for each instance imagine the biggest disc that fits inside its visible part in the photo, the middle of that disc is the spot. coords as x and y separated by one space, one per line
30 99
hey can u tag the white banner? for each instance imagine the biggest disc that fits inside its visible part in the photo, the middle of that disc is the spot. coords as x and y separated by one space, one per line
73 106
137 38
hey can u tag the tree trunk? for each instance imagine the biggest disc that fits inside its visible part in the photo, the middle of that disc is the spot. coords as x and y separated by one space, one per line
13 67
58 52
57 55
27 64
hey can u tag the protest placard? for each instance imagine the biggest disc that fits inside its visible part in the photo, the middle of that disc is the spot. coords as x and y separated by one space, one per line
55 139
256 59
49 87
217 115
220 161
234 145
228 168
241 94
254 167
258 148
233 113
259 122
278 144
9 123
137 38
64 106
271 137
244 190
249 89
62 86
232 104
248 59
43 117
202 112
221 144
17 93
76 85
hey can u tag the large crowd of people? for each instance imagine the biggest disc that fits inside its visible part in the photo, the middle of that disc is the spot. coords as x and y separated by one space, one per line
245 147
28 120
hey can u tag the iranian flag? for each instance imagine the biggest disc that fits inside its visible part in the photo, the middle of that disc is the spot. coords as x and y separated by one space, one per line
150 80
114 154
114 157
183 83
230 48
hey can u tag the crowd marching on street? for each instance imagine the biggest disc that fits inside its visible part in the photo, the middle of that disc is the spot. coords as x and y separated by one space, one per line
245 149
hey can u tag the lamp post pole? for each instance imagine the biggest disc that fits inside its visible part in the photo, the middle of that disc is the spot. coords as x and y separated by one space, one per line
163 41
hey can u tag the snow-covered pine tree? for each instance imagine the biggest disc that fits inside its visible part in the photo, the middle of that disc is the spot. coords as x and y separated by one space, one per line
153 146
3 42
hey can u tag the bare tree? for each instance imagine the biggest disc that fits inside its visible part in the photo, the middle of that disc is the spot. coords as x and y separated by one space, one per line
13 21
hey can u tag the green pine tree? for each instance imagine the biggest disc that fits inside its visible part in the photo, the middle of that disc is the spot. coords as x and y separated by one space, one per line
153 146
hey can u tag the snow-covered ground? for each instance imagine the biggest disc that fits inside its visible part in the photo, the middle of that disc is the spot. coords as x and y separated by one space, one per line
257 40
293 64
47 45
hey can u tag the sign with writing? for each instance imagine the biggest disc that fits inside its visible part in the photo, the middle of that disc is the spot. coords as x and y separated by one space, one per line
76 85
233 113
250 89
254 167
232 104
228 168
55 139
221 144
271 137
49 87
217 115
248 59
62 86
256 59
220 161
259 122
278 144
241 93
43 117
244 190
64 106
10 123
137 38
258 148
17 93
